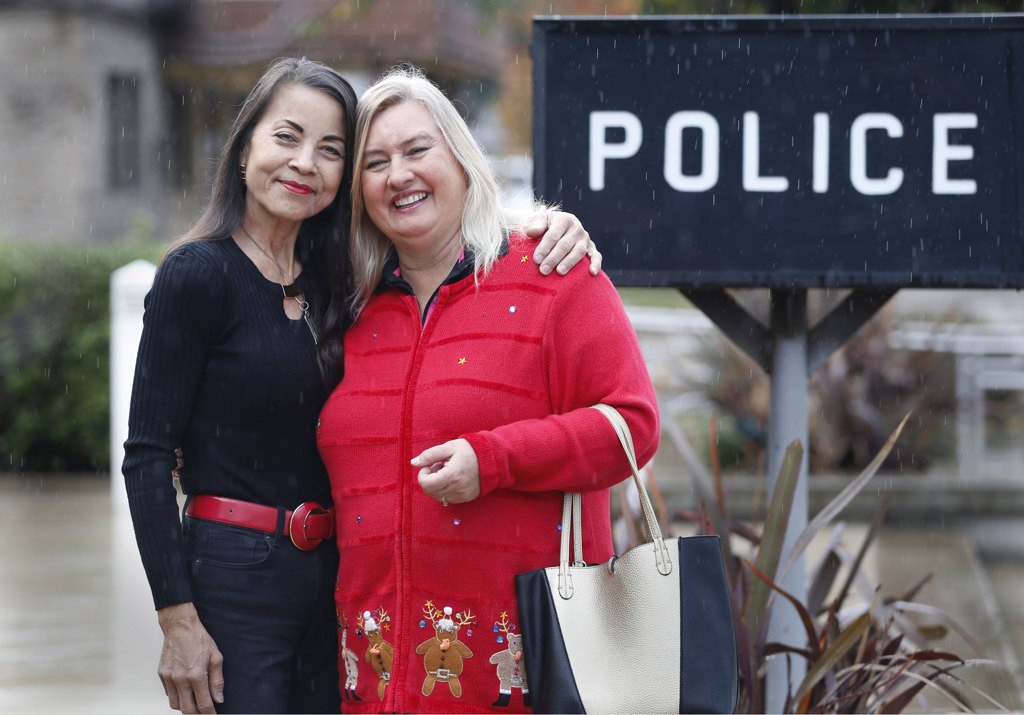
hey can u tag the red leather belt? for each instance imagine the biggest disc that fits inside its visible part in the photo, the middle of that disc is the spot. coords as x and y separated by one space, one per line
307 524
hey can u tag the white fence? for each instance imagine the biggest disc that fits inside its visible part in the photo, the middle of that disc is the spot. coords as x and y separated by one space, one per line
136 636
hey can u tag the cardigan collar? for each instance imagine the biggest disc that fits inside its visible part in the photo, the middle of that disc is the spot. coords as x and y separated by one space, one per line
463 268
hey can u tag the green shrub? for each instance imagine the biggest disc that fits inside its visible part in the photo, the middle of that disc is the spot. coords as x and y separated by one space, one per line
879 656
54 354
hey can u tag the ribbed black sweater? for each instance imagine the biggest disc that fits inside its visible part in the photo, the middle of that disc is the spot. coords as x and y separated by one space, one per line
223 373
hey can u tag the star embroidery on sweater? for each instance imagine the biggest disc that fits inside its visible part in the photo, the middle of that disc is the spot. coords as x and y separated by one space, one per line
462 361
524 259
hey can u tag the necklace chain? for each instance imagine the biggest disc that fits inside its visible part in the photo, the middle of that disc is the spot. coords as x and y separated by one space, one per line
289 284
288 281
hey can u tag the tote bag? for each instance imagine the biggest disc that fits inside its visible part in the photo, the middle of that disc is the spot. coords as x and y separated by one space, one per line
649 631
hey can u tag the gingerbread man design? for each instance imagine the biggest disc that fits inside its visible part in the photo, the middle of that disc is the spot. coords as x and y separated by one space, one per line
379 653
444 653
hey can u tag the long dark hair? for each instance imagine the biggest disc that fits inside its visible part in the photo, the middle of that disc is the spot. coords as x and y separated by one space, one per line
322 244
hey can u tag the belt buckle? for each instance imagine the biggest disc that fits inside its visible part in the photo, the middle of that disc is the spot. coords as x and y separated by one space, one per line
297 525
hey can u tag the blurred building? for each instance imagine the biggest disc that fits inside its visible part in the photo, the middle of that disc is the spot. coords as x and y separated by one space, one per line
113 111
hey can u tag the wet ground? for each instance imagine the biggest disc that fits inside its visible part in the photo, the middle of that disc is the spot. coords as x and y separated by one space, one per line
63 648
78 633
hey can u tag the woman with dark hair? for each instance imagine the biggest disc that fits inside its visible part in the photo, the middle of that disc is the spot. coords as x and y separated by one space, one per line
241 345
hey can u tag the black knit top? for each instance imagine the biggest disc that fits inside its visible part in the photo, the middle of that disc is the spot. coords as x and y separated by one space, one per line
223 373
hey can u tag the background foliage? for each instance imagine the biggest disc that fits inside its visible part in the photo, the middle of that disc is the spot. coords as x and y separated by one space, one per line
854 401
54 354
865 652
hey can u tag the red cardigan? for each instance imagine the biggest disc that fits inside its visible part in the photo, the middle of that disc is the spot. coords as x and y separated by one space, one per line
511 365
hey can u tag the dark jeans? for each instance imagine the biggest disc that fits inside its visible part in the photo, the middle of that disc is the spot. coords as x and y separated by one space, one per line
269 607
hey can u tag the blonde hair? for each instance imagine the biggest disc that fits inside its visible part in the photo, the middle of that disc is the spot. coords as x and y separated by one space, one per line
483 220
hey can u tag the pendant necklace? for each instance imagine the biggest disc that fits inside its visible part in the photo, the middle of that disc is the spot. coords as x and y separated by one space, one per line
288 288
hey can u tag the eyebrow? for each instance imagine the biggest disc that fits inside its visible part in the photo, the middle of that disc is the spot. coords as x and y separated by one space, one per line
298 127
419 136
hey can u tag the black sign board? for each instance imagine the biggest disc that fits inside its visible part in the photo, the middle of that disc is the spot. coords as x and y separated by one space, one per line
788 152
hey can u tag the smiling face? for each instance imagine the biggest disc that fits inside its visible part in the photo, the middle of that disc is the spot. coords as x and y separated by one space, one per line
295 157
413 188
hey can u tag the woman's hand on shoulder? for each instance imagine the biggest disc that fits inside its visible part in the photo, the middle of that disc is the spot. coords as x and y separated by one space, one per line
563 242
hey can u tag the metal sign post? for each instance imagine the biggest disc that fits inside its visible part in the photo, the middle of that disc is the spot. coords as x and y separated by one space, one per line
867 153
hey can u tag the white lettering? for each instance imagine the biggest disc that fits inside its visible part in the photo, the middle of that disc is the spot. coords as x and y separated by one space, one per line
859 154
820 157
601 150
708 127
706 132
943 152
752 179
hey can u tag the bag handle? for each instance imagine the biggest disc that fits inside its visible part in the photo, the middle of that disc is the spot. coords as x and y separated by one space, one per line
572 513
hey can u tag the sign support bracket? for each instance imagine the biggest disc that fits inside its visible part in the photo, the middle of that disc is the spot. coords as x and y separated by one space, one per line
755 339
789 352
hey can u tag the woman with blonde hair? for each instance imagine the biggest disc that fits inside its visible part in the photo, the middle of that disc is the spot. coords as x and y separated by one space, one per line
463 414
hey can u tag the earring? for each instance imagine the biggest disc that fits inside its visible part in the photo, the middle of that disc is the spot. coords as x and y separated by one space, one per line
243 172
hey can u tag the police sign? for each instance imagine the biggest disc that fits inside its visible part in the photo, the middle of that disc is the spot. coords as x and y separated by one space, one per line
788 152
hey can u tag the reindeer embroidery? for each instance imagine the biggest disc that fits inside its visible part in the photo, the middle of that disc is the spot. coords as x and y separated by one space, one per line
379 653
511 670
351 660
443 654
